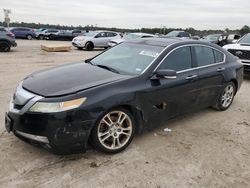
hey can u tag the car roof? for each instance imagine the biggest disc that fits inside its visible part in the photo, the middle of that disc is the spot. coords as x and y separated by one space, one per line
164 42
104 31
140 34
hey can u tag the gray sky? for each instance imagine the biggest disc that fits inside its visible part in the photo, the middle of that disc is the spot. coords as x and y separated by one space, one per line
200 14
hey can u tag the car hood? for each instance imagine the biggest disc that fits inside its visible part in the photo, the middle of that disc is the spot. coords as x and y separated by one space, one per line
118 40
69 79
82 38
237 46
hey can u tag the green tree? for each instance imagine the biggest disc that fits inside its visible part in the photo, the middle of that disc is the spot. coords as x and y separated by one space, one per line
244 30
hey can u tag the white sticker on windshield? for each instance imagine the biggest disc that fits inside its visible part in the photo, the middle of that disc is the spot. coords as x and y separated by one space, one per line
149 53
138 70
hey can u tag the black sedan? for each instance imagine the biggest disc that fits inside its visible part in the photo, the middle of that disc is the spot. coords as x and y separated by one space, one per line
107 99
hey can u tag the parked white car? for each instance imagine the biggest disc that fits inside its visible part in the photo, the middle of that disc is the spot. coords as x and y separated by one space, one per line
128 37
241 49
91 40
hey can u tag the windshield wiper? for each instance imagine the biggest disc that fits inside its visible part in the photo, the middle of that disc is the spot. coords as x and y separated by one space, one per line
108 68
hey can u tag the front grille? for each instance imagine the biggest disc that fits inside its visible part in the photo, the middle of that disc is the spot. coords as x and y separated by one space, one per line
242 54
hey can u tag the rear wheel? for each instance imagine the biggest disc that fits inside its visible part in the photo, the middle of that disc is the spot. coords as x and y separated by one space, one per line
89 46
4 46
41 37
226 97
29 37
114 131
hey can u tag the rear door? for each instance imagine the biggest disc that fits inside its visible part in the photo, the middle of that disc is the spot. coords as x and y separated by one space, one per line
211 67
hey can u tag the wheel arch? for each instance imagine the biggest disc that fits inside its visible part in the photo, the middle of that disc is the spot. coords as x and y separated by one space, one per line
235 83
136 113
91 42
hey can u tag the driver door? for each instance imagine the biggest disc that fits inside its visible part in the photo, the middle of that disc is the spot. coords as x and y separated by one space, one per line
101 39
166 98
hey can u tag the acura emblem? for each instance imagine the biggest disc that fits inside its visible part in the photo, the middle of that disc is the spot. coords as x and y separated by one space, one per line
239 53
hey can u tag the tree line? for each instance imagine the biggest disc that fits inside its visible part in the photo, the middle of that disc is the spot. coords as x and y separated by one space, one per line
245 29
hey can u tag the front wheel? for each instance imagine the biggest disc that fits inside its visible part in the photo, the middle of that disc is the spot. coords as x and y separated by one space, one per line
89 46
226 97
114 131
4 46
29 37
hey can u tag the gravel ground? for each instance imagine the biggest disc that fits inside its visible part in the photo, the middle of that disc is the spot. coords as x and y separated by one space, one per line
204 149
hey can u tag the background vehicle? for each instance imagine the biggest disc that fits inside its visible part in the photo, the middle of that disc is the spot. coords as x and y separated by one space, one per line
23 32
221 39
241 49
134 85
95 39
180 34
65 35
128 37
39 33
7 40
49 33
233 38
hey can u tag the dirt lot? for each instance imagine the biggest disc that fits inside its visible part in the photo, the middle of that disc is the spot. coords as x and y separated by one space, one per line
205 149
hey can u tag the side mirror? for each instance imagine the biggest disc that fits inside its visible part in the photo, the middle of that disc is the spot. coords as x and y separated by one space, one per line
166 73
87 60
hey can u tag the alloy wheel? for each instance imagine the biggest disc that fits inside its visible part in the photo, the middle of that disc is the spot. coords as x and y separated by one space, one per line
227 96
115 130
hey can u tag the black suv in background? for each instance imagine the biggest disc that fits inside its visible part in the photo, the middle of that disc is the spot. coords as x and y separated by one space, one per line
7 40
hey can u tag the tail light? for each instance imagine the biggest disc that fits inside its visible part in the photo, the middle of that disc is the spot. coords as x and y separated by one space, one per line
10 35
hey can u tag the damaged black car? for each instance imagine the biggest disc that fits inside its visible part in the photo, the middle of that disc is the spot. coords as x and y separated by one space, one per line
107 99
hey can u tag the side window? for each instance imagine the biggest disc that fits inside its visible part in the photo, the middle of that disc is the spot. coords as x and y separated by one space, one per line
180 59
219 57
111 34
101 35
204 55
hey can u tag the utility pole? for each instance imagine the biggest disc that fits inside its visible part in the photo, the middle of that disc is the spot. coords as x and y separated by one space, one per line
7 12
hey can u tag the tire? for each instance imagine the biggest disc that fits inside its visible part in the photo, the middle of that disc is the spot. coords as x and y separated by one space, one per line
41 37
226 97
112 137
29 37
89 46
4 46
79 48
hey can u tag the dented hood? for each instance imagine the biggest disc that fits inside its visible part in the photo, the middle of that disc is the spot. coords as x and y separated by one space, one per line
69 79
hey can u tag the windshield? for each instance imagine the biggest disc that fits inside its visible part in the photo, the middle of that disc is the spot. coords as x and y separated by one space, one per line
212 37
131 36
90 34
127 58
173 34
245 39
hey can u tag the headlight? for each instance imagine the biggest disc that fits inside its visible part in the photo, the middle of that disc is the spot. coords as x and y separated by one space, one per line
49 107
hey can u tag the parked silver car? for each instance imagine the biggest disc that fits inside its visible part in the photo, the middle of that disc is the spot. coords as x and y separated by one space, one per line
128 37
91 40
7 40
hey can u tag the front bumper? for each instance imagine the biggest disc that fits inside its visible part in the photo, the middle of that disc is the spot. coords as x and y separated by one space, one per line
78 44
61 133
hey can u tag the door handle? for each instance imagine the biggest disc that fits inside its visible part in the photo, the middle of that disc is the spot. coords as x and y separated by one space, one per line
220 69
191 77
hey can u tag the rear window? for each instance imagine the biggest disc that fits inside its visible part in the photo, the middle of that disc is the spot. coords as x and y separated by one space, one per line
204 55
207 56
219 57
